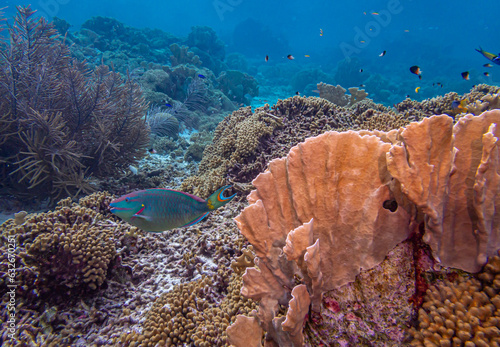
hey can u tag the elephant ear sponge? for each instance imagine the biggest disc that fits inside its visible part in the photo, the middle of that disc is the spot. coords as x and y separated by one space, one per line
341 181
452 174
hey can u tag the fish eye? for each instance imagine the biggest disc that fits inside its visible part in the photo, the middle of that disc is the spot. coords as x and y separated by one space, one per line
127 199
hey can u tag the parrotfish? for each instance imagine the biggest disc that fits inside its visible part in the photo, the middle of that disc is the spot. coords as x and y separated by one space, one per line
160 209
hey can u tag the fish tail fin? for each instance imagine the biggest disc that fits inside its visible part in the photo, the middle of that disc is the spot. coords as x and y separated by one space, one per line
480 50
217 199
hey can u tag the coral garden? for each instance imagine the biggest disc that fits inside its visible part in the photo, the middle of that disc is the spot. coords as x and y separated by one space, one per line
363 224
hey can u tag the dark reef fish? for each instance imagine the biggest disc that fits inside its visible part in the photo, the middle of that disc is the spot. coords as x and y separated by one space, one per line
416 70
161 209
490 56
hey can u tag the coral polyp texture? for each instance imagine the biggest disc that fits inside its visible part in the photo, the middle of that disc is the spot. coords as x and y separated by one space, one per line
462 312
68 249
235 139
431 174
192 314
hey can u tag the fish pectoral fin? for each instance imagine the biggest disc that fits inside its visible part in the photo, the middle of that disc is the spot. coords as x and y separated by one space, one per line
149 219
139 215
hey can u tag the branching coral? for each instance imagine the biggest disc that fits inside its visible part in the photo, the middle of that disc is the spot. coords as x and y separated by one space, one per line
52 103
235 139
191 314
462 312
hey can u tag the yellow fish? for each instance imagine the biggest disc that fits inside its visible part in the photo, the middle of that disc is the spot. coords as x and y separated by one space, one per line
489 56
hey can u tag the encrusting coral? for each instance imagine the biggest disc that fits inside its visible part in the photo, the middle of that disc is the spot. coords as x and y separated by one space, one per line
385 185
462 312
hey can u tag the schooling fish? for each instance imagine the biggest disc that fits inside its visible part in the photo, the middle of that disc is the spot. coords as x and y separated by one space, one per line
494 58
161 209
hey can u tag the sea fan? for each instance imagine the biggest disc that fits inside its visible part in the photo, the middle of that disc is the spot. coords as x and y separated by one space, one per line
162 122
60 120
196 100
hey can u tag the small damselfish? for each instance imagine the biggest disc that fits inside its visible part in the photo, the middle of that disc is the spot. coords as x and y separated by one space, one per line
161 209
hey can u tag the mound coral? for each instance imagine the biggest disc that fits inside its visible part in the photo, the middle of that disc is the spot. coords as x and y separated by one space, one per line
235 139
305 117
295 119
476 103
235 85
182 55
62 122
69 249
206 39
336 94
385 185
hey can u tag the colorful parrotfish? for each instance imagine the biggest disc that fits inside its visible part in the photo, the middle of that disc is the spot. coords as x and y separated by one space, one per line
160 209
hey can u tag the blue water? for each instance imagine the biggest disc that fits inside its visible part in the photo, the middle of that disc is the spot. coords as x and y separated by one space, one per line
440 37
